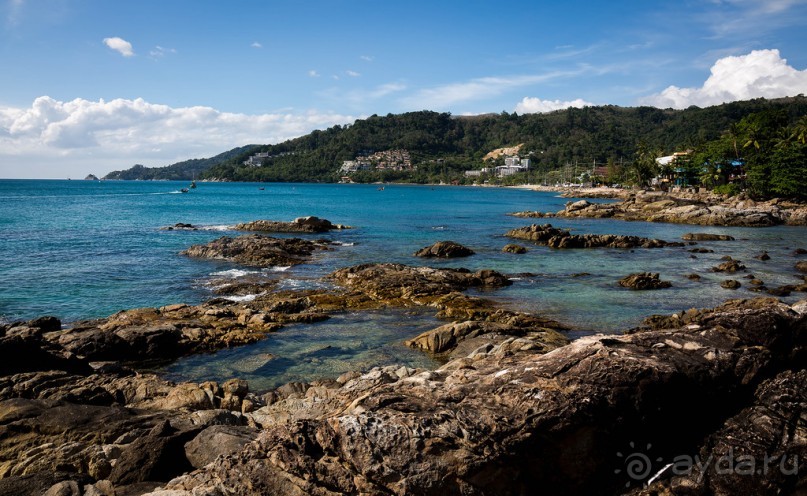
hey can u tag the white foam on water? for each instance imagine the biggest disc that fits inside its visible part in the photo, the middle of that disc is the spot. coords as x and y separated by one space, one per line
243 298
216 228
342 243
439 228
280 268
234 273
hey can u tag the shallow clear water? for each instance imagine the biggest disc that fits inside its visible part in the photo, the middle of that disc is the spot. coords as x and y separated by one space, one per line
86 249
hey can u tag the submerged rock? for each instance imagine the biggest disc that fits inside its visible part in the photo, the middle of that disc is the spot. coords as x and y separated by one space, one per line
706 237
513 248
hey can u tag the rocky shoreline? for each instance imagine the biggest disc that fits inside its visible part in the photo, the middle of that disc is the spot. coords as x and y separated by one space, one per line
516 408
682 208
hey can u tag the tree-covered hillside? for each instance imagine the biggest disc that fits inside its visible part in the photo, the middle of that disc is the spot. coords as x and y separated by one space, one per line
443 146
180 171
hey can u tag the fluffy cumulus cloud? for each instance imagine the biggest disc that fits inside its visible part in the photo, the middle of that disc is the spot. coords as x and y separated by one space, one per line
52 138
531 105
120 45
761 73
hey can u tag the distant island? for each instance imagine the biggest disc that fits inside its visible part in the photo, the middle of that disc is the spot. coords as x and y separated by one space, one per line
91 177
756 145
186 170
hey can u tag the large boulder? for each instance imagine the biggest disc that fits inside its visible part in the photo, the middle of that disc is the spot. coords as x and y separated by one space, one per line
644 280
257 250
444 249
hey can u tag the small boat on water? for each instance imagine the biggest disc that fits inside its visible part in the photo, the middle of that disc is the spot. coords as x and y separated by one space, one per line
193 184
184 190
261 188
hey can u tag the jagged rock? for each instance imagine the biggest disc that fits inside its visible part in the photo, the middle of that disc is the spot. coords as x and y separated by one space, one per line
391 282
763 256
729 265
299 225
800 251
444 249
759 450
706 237
560 238
513 248
507 423
157 456
699 210
257 250
701 250
730 284
802 267
693 277
644 280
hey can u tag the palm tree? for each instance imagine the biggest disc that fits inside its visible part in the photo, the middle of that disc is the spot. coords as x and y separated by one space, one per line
754 136
800 130
733 133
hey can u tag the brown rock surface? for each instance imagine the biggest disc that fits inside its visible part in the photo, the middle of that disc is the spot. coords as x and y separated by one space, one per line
444 249
257 250
507 423
560 238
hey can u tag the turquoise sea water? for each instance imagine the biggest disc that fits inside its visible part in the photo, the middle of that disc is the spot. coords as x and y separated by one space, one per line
86 249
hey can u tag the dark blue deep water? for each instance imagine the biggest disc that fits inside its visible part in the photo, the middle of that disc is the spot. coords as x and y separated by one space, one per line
86 249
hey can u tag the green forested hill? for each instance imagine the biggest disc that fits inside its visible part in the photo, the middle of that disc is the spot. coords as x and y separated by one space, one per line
442 146
180 171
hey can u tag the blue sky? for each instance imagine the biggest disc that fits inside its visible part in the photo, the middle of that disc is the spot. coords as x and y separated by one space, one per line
92 86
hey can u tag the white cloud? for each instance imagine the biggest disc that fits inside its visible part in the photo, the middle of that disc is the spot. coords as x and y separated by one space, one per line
761 73
313 73
63 139
444 96
530 105
159 52
367 58
119 45
352 73
255 44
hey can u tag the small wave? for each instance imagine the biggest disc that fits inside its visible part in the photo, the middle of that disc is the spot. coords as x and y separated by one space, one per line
439 228
243 298
234 273
280 268
342 243
216 228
